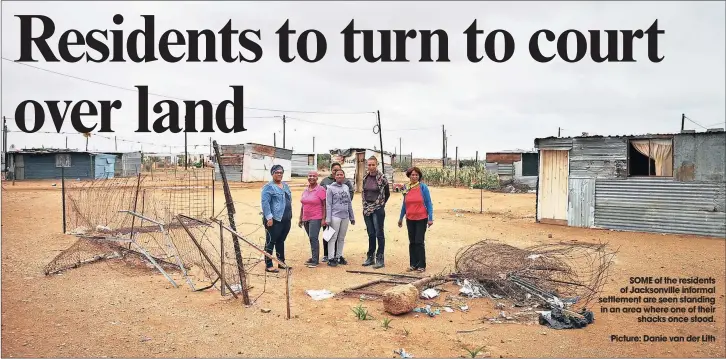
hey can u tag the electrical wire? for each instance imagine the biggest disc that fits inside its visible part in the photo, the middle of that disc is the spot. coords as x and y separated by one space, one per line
179 98
686 117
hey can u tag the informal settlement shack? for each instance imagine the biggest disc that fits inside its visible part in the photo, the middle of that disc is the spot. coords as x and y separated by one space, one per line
46 163
667 183
521 166
353 162
251 162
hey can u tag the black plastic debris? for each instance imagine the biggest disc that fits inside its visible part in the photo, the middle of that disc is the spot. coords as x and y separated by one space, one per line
563 319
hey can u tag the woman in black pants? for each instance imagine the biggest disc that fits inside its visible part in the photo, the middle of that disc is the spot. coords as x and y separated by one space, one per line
419 212
277 216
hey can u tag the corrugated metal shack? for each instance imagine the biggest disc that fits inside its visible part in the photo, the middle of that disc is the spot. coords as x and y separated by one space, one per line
252 162
303 163
353 161
521 166
666 183
45 163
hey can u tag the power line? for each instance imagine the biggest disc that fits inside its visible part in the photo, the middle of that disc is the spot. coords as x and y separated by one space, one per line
686 117
179 98
716 124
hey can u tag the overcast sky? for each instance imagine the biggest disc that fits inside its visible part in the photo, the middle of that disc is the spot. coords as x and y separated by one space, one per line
485 106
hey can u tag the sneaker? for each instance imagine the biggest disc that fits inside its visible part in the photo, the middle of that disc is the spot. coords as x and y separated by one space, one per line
309 261
325 259
332 263
342 261
312 264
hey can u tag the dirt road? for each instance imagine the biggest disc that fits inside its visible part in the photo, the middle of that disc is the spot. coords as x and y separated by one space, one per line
108 309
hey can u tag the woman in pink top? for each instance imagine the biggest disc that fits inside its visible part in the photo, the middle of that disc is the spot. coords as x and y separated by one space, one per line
312 215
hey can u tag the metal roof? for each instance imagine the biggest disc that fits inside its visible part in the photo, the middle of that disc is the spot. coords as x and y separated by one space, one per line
647 135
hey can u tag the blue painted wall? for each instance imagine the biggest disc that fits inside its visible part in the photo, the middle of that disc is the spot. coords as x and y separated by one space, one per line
42 166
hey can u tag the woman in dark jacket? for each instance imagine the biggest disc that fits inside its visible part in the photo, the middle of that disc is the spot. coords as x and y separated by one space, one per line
419 212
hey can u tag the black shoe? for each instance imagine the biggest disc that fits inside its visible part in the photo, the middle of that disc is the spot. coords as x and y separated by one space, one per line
379 262
325 259
312 264
369 261
332 263
283 266
309 261
342 261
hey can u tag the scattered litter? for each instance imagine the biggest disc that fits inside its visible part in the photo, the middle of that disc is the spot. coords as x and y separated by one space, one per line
319 294
534 256
236 287
265 310
502 314
448 310
403 353
53 185
500 306
464 308
471 330
430 293
145 339
558 318
427 310
101 228
472 289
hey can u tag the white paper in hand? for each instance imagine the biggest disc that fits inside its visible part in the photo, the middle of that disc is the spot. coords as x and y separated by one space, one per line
328 233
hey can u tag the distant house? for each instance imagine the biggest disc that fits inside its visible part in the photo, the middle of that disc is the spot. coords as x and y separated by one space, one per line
667 183
47 163
522 166
353 162
303 163
252 162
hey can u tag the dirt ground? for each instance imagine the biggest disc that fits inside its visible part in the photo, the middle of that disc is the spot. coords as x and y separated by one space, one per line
108 309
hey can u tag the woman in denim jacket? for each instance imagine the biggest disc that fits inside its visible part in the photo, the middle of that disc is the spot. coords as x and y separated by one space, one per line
277 212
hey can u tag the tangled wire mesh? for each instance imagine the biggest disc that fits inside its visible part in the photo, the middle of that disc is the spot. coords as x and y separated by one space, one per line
570 272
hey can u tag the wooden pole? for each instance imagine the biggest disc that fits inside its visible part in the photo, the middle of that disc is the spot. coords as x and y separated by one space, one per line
456 167
380 137
235 238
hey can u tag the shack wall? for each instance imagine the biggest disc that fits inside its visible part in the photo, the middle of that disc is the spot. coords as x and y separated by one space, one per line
661 205
699 157
42 166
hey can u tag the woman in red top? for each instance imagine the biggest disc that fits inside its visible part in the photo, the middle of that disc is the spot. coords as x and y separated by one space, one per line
419 212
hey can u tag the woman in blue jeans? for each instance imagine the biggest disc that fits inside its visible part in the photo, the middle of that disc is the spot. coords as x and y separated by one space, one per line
277 212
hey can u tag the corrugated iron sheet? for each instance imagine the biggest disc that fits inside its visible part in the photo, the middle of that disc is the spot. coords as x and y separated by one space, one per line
581 206
600 157
301 164
661 206
233 173
42 166
131 164
553 143
492 168
506 169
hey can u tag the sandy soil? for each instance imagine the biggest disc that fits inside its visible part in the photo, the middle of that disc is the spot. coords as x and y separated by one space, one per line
110 309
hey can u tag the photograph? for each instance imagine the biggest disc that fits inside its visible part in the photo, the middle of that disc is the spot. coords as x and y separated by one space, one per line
362 179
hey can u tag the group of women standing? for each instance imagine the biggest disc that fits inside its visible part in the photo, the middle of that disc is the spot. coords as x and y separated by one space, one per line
330 205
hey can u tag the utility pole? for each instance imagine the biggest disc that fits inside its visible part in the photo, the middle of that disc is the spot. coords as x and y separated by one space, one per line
683 122
443 147
5 143
283 131
558 131
115 143
400 149
380 137
313 144
186 152
66 142
476 159
274 139
456 167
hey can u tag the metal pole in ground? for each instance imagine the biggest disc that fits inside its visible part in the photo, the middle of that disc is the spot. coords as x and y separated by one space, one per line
235 239
63 194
